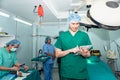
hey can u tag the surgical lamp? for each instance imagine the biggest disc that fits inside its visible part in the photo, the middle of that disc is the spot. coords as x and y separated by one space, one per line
103 14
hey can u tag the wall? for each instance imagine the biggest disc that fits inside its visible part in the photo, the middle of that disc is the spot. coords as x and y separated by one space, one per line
114 41
23 33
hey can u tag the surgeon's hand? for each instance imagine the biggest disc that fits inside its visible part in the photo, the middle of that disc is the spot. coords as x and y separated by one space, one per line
74 50
84 51
25 67
14 68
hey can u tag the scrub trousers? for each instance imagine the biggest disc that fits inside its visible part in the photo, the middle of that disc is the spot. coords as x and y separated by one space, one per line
47 68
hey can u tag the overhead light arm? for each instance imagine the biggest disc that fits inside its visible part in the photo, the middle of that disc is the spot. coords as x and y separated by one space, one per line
80 6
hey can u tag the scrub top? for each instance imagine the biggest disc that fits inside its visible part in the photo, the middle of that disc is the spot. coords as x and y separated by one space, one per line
48 48
73 66
7 60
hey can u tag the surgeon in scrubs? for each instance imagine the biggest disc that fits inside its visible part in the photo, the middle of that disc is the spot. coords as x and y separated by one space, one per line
48 50
8 59
73 57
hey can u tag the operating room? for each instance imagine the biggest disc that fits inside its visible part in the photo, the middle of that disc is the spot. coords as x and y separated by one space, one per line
101 23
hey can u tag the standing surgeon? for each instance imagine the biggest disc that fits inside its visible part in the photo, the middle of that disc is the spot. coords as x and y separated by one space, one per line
73 57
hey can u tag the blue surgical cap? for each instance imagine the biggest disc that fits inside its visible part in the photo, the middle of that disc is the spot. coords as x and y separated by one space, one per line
13 42
73 17
47 38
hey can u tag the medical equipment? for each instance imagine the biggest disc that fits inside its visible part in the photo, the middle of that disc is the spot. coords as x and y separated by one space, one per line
103 14
95 53
39 58
86 46
106 14
99 70
111 54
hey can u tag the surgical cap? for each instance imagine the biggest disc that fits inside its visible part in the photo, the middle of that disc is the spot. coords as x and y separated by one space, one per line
13 42
47 38
73 17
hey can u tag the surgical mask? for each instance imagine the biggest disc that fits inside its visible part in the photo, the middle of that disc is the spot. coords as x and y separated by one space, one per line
13 49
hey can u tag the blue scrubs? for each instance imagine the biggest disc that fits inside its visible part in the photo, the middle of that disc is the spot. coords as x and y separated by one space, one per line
48 64
7 60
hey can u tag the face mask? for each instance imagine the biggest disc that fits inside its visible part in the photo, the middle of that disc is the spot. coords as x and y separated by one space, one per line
13 49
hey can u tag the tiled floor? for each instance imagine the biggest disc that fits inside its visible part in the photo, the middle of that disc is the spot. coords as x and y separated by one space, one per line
55 74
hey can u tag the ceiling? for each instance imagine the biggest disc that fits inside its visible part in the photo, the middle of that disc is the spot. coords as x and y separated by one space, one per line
54 10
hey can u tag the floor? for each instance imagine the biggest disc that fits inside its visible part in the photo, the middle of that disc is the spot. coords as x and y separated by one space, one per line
55 74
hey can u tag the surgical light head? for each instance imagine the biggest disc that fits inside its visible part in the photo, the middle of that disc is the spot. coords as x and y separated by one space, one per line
73 17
